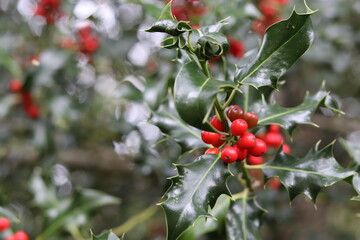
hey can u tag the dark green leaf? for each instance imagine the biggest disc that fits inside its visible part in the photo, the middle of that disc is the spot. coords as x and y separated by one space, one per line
105 236
203 225
243 220
194 95
356 184
212 45
197 186
168 24
352 147
306 175
283 43
289 118
170 123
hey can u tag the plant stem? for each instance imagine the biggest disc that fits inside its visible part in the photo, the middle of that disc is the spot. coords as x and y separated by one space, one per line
231 97
247 178
135 220
221 114
205 68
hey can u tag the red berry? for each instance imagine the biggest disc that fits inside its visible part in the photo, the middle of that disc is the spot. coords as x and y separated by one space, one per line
89 44
259 149
251 119
283 2
216 123
274 183
4 223
254 160
15 85
239 127
241 152
236 47
274 128
212 151
32 111
215 139
286 149
11 237
234 112
219 141
21 235
229 154
273 139
247 141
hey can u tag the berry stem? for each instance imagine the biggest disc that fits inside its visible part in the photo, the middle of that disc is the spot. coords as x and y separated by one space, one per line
247 178
220 112
205 68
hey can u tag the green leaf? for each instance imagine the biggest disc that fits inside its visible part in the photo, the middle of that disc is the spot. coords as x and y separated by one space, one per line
170 123
105 236
197 186
289 118
168 24
283 43
194 95
207 225
356 184
243 220
307 175
352 147
212 45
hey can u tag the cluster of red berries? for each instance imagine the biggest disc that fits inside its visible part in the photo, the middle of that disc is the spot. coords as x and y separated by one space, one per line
88 41
270 10
19 235
186 10
239 143
30 108
236 47
48 9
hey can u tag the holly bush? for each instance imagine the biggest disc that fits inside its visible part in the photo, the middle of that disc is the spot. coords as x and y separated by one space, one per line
103 101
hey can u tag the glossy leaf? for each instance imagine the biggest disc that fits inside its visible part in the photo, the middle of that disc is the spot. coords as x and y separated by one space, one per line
168 24
352 147
105 236
243 220
194 95
283 43
197 186
207 225
307 175
170 123
212 45
356 184
289 118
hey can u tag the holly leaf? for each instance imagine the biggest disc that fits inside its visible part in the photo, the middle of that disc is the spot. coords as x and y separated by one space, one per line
307 175
170 123
351 145
289 118
197 186
203 225
168 24
105 236
356 184
194 95
243 220
283 43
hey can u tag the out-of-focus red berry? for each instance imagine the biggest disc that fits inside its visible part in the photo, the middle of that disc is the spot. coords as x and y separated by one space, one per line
236 47
274 183
286 149
273 139
212 151
4 223
21 235
254 160
15 85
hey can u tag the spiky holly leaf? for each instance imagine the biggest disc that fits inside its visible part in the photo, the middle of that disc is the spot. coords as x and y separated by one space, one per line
307 175
197 186
283 43
351 145
105 236
203 226
168 24
195 94
243 220
170 123
356 184
289 118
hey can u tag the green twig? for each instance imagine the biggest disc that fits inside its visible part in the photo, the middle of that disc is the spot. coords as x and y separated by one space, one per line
135 220
247 178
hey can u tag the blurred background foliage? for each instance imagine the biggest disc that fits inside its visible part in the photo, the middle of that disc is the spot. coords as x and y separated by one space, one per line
97 156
